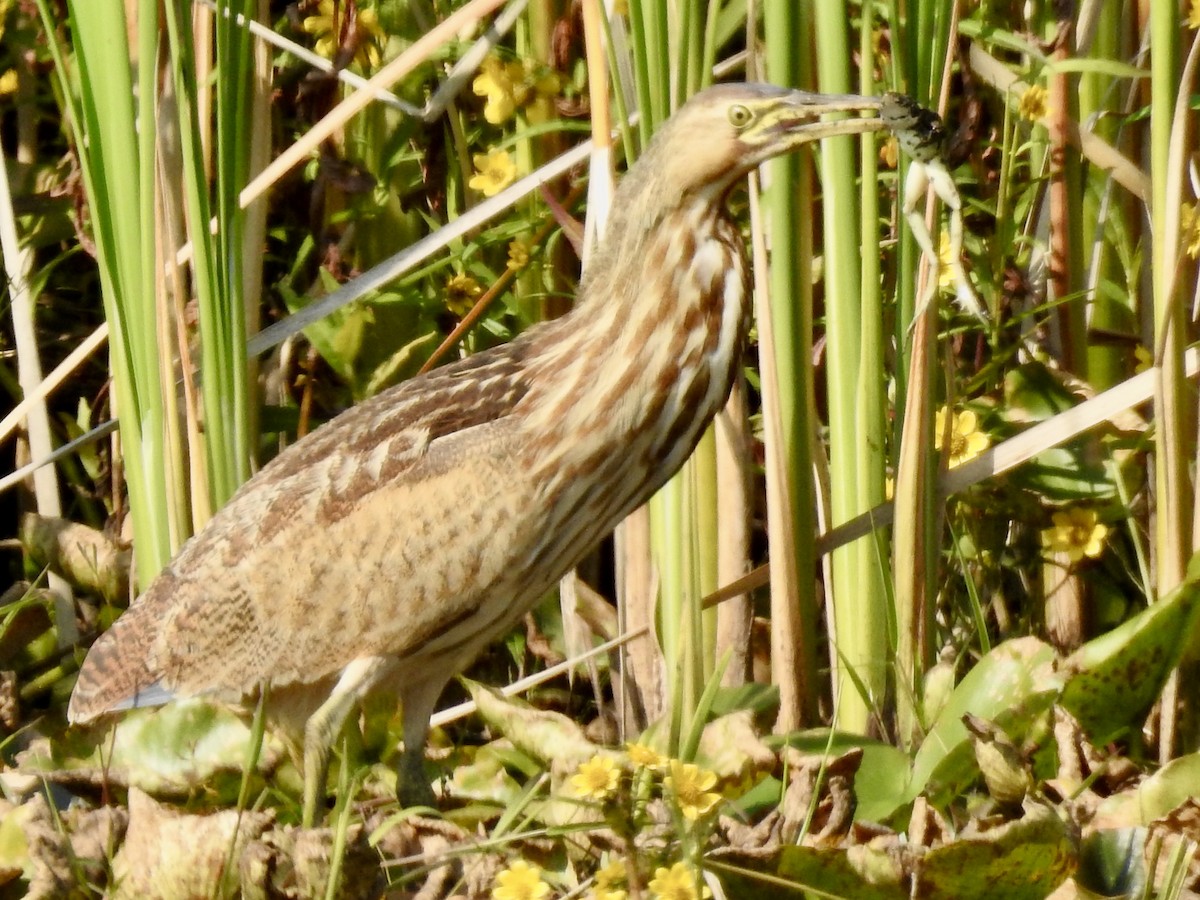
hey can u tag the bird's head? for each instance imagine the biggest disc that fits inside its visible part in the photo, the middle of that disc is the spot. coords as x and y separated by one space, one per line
722 133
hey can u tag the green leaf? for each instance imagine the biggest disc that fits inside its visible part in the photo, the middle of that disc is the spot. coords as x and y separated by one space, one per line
1066 474
1111 681
183 749
1111 862
1033 394
881 783
864 873
1022 860
1011 686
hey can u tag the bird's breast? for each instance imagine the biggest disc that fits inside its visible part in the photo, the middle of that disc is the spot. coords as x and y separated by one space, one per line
623 406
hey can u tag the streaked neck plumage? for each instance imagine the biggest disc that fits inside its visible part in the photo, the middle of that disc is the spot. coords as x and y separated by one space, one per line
623 387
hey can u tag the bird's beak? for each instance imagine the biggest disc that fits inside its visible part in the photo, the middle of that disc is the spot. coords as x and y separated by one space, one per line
799 116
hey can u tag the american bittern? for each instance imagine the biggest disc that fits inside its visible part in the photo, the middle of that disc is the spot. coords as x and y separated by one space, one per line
386 549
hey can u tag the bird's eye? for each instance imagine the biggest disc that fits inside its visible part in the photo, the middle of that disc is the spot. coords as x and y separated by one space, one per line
739 116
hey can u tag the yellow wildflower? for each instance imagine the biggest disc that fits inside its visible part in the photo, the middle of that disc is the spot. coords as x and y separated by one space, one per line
8 83
608 881
497 81
461 292
889 152
518 255
1143 359
613 873
1189 227
328 27
509 86
494 171
1032 104
692 788
966 440
1193 16
1076 532
541 87
677 883
520 881
596 778
645 757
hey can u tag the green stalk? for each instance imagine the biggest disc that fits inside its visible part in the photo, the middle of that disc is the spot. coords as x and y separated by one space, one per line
217 260
915 557
788 200
1100 203
122 158
1169 316
857 595
872 404
1173 412
705 551
115 141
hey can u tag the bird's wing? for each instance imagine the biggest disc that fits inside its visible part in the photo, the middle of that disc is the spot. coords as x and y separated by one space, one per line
365 536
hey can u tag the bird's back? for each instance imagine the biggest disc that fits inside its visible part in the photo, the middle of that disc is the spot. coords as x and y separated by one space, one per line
372 535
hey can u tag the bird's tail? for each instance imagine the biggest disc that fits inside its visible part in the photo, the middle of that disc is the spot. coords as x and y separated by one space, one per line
117 673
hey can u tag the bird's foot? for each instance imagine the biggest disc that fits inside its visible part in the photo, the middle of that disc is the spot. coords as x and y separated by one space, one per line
412 782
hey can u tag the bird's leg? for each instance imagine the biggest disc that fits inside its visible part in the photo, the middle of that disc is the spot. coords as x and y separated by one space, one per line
412 784
325 724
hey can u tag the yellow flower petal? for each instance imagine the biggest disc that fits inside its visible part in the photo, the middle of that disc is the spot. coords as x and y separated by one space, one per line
613 873
645 757
520 881
677 883
1143 358
1189 228
692 788
597 778
461 292
966 440
328 29
889 152
494 172
495 82
1032 104
1076 532
946 261
518 255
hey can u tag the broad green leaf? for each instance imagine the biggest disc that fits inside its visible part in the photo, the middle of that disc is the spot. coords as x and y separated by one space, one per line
1111 681
881 783
1111 862
1011 686
863 872
1021 860
486 778
1033 394
1174 784
544 735
183 749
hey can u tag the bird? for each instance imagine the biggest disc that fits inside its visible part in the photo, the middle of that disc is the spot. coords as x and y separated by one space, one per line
386 549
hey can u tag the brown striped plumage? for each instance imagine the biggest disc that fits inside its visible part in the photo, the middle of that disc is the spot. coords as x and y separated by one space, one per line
388 547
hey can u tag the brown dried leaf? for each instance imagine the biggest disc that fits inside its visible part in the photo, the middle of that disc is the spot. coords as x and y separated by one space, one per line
172 855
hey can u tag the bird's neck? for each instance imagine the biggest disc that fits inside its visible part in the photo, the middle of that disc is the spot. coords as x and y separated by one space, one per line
649 354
